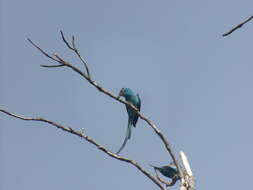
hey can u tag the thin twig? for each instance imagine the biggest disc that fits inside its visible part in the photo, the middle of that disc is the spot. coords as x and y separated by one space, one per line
73 48
167 146
90 140
237 27
52 66
103 90
42 51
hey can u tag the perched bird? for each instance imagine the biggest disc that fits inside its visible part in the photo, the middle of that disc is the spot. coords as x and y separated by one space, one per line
134 99
169 171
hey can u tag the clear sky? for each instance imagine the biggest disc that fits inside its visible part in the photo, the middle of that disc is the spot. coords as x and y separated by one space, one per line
194 84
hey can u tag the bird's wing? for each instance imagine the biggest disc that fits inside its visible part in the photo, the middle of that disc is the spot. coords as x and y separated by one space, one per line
138 106
139 102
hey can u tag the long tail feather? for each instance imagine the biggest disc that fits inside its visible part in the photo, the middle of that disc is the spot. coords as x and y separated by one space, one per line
128 136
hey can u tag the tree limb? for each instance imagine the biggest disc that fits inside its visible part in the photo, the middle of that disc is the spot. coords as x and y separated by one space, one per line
73 48
90 140
86 76
237 27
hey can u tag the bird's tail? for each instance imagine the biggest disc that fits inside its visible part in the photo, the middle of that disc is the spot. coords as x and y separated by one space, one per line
128 136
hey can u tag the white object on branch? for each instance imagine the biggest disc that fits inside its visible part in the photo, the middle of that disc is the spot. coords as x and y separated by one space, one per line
188 181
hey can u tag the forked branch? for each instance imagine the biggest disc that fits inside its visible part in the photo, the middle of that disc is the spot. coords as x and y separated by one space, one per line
90 140
73 48
61 62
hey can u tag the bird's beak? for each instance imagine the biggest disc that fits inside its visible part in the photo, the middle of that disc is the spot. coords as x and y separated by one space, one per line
120 93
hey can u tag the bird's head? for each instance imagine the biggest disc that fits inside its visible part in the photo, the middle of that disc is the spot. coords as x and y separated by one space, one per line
172 164
125 92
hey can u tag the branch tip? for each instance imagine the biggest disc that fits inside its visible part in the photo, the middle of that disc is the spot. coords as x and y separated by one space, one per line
90 140
72 46
237 26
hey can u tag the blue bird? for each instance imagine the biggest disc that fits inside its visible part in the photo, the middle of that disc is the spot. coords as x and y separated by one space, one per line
169 171
134 99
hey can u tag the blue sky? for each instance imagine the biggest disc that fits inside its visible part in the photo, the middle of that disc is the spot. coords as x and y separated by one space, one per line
194 84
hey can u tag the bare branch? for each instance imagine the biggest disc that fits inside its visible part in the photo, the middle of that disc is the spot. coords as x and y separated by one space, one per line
103 90
90 140
237 27
60 59
42 51
51 66
73 48
66 42
73 42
